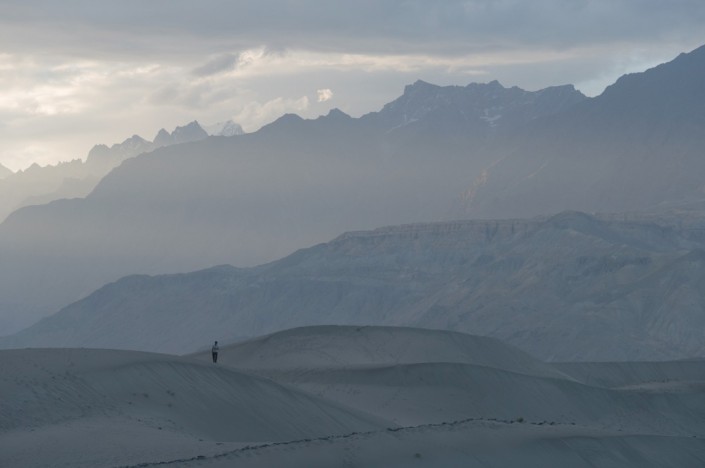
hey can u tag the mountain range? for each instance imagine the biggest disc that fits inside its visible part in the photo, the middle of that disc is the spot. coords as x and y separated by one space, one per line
570 287
39 185
254 198
637 146
434 154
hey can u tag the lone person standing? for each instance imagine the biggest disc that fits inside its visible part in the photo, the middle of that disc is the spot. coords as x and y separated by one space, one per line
214 351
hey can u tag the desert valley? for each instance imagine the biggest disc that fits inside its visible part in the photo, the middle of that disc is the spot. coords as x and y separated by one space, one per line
472 275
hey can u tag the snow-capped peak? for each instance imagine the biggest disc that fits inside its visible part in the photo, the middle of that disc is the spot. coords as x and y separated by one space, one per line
226 128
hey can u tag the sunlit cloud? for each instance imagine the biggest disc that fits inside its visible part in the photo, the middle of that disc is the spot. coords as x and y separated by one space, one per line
257 114
34 89
324 95
112 69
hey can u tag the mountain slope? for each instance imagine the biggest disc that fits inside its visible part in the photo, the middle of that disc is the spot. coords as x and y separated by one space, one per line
43 184
295 183
227 128
482 109
571 287
638 146
242 200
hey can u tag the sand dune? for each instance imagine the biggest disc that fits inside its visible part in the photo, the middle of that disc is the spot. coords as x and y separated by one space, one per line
342 346
346 396
470 444
624 374
415 376
413 394
77 393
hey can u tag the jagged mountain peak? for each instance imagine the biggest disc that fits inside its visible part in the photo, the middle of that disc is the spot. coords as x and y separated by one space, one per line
567 89
134 140
135 144
479 107
637 146
289 117
337 113
183 134
334 116
191 126
492 85
189 132
162 138
226 128
102 154
285 122
419 85
98 150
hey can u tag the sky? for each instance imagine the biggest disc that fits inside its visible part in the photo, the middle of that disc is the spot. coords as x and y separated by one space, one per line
77 73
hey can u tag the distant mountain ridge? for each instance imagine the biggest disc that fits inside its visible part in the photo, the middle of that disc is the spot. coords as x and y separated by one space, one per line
135 145
434 154
226 128
490 107
568 287
256 197
637 146
75 179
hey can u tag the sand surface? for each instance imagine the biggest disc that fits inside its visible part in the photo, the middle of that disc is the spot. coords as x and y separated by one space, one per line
346 396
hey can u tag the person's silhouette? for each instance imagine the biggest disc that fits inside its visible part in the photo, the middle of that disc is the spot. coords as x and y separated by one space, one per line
214 351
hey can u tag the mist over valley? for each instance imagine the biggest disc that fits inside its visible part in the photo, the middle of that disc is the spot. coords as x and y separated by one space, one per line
469 274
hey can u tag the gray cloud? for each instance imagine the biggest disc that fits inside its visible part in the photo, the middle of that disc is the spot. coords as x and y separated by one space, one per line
217 65
361 26
114 68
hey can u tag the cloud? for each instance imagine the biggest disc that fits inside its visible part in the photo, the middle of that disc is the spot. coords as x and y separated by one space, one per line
324 95
117 68
33 88
257 114
179 28
221 63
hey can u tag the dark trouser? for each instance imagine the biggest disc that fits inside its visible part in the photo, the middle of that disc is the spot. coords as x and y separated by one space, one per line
215 357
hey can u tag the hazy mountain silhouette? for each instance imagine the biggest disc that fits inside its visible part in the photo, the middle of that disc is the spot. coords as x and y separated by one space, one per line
483 109
38 185
638 146
257 197
226 128
570 287
254 198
